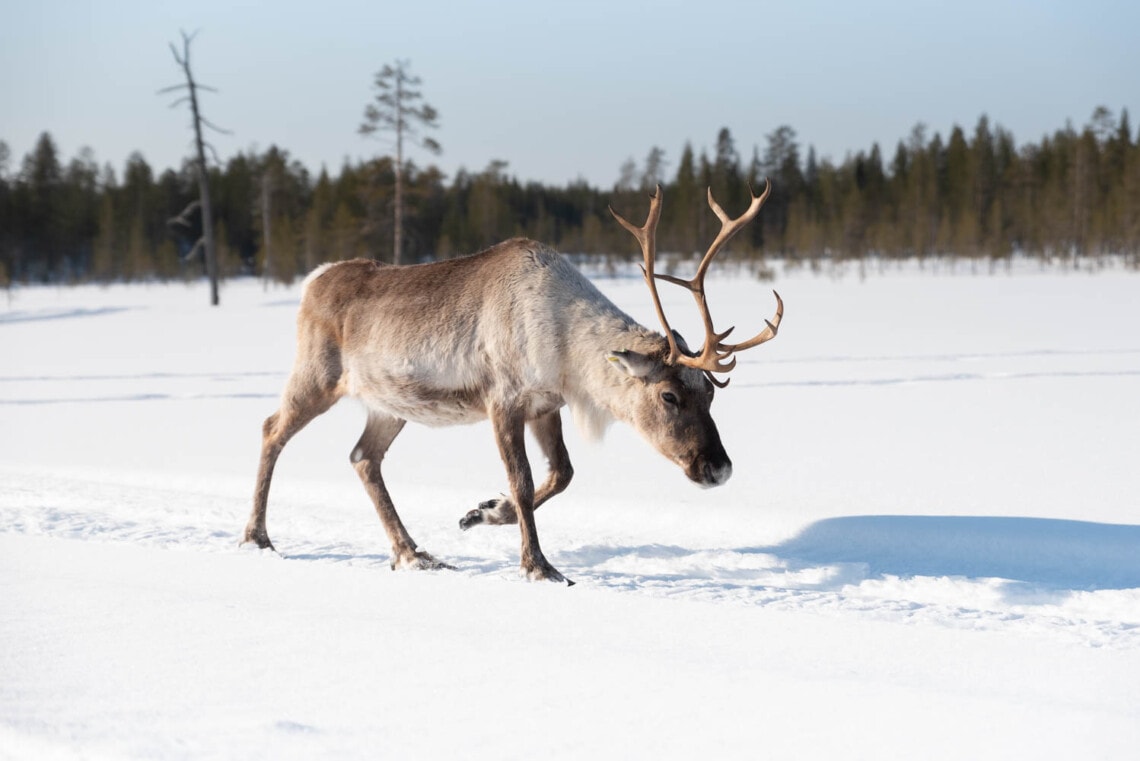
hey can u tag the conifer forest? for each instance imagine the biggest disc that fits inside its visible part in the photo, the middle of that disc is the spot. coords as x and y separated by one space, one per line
973 193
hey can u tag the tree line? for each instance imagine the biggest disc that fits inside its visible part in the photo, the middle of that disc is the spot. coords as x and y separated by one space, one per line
1075 193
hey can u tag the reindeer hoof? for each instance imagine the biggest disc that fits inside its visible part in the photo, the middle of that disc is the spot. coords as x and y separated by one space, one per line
544 571
493 512
473 518
418 561
260 538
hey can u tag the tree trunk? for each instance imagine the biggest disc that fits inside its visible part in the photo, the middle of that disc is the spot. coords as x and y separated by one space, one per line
200 166
267 244
204 192
398 238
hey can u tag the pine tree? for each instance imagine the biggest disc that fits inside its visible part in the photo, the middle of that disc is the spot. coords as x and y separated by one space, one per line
958 234
318 218
1008 171
781 164
984 170
103 254
727 178
43 176
654 173
6 215
136 264
79 206
627 176
704 182
809 239
872 188
921 218
344 234
398 108
686 203
490 215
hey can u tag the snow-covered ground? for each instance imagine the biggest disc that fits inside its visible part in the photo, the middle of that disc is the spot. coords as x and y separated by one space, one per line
930 547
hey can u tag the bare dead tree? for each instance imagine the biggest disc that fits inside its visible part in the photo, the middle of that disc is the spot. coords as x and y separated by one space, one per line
206 242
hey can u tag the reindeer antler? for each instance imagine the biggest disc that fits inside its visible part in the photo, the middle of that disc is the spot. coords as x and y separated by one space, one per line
715 356
647 236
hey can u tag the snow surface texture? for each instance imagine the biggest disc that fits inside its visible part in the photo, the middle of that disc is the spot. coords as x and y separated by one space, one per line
929 547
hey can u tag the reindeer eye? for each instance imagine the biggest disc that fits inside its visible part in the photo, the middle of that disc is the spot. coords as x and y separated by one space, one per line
670 398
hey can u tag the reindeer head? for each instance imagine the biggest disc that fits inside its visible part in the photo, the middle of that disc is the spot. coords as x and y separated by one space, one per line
669 405
672 387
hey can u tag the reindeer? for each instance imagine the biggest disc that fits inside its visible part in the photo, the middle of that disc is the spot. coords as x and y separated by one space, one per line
513 334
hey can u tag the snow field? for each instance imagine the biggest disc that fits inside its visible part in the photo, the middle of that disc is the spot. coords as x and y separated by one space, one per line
929 546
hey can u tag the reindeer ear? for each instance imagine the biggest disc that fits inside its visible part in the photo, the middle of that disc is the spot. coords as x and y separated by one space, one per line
632 363
682 345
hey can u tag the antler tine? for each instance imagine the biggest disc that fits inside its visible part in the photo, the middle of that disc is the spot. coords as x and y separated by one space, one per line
646 233
730 227
646 236
767 334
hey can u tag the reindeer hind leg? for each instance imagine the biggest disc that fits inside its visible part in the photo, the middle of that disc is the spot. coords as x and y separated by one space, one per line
306 396
366 458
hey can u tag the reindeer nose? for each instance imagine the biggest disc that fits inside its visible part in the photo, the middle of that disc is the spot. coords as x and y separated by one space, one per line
710 472
716 474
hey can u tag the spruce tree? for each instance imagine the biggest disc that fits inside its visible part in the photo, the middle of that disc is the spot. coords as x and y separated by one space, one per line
686 203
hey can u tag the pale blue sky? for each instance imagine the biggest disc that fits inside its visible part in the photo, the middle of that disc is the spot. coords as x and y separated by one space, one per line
560 90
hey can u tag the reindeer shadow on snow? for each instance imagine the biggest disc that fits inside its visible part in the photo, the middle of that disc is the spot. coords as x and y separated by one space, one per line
1039 559
1042 552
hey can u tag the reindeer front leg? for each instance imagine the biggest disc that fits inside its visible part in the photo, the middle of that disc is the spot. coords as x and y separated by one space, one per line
509 428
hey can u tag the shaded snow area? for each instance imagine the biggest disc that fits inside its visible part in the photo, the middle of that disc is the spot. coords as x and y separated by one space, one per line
930 546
